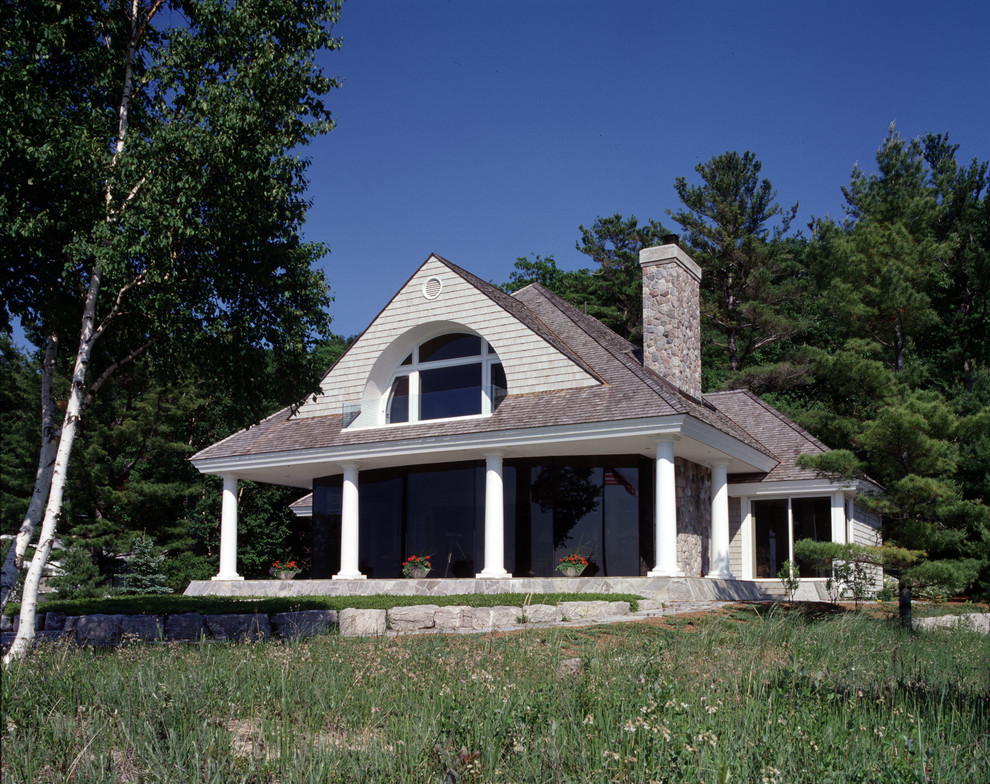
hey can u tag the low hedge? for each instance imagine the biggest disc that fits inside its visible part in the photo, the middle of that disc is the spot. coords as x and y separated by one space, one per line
219 605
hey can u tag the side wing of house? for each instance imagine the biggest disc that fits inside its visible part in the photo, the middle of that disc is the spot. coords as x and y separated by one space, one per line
769 512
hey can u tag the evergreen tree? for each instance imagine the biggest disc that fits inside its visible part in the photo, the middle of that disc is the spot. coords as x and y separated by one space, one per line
751 283
145 568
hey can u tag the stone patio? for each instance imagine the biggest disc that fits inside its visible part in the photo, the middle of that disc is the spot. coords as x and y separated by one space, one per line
659 588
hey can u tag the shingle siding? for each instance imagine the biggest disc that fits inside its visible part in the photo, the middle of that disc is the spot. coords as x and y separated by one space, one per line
735 536
866 526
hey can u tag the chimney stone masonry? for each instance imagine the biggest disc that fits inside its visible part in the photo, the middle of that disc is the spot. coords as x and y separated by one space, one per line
672 315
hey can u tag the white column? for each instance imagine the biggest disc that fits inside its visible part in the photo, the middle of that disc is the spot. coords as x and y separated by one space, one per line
719 560
850 518
747 540
838 518
665 513
349 527
228 531
494 520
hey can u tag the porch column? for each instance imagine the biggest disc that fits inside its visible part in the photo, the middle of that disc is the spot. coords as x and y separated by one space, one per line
850 518
719 561
665 512
228 531
839 518
349 527
494 520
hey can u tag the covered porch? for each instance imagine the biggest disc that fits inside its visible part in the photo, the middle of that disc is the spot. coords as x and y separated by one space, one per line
667 446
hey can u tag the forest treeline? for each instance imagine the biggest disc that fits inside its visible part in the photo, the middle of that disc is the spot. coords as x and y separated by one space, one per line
873 332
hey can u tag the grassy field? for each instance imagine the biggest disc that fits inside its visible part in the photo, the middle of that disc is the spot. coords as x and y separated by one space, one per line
745 695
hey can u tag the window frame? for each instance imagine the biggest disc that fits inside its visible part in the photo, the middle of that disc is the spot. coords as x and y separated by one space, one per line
487 358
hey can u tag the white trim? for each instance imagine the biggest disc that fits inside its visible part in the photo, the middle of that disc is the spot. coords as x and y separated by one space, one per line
488 441
795 488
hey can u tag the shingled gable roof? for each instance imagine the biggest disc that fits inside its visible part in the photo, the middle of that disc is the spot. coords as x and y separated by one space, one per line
784 437
627 389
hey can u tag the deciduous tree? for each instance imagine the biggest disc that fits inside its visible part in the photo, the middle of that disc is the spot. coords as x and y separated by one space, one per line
154 191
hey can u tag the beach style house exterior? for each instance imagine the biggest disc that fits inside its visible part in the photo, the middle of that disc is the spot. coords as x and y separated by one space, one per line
498 433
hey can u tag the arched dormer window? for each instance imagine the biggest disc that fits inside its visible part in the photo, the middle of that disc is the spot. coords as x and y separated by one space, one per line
452 375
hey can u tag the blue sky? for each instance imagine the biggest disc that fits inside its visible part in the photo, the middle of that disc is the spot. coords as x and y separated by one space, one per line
488 130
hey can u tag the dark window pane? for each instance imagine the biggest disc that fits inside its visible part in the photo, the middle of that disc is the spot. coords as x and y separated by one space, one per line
441 510
771 537
398 401
621 521
499 386
812 520
380 527
450 347
450 391
407 360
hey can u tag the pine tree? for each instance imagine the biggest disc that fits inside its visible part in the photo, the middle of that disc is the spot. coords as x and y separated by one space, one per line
144 568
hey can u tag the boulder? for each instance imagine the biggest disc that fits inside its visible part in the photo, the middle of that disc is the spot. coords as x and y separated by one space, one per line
541 613
54 621
449 619
6 623
362 623
238 626
304 623
415 618
98 629
579 611
484 618
185 626
142 627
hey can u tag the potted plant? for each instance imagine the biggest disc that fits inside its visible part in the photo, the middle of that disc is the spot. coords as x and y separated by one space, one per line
284 570
416 566
572 565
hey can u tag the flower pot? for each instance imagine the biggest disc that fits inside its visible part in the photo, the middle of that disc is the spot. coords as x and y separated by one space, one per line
571 571
285 575
418 574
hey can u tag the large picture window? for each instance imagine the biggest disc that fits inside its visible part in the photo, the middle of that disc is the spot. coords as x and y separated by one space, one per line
453 375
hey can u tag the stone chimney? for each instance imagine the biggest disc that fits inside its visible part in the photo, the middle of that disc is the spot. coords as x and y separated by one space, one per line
672 315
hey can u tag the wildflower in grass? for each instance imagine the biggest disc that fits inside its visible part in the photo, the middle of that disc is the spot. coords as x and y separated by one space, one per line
706 737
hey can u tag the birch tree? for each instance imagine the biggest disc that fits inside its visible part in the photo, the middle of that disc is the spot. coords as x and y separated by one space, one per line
154 192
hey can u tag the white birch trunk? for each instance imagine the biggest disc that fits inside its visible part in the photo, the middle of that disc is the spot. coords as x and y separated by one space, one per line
14 560
77 395
70 426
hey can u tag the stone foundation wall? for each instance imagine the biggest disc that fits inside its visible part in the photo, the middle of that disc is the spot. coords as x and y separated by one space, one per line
694 515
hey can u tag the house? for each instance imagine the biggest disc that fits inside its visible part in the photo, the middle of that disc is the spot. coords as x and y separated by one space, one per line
498 433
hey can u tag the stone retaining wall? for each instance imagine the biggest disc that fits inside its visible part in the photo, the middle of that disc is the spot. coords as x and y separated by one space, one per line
105 629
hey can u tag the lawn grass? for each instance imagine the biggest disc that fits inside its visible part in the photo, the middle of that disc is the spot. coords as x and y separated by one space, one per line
751 694
217 605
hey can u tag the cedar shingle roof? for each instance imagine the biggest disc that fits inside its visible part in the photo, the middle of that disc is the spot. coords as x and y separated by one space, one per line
628 391
783 437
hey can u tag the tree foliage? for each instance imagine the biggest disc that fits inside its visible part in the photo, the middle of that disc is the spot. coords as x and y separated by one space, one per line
751 281
154 192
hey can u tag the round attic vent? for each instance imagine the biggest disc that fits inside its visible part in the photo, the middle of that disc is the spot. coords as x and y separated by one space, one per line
432 288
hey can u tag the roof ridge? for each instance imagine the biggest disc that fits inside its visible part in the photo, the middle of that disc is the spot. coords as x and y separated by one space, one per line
584 321
499 297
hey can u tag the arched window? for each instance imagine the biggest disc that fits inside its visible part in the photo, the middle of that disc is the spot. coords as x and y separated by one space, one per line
452 375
